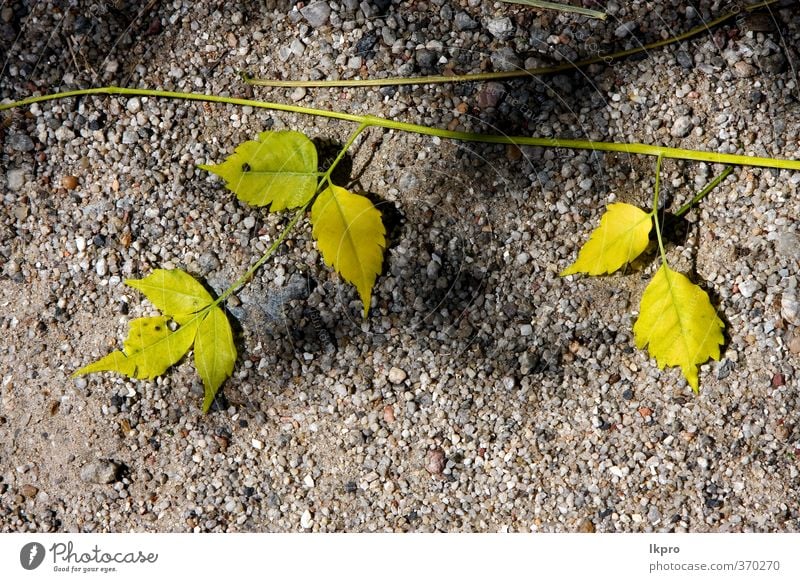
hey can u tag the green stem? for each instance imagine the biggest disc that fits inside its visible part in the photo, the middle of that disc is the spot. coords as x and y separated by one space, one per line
655 211
362 126
292 223
607 58
705 191
627 148
269 252
560 7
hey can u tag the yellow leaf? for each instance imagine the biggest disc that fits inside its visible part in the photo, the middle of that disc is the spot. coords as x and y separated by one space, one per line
150 348
145 331
175 293
351 237
679 323
278 169
214 353
621 237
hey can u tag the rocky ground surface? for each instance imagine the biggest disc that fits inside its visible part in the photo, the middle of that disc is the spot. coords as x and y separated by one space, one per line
484 392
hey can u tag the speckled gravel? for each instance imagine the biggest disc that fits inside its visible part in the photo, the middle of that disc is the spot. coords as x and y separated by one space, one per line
484 393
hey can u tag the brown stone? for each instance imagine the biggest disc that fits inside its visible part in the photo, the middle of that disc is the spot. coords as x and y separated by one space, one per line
29 491
435 462
69 182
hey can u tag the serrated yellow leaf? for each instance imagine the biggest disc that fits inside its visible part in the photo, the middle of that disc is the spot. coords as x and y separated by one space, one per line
150 348
350 234
174 292
678 322
278 169
214 353
622 236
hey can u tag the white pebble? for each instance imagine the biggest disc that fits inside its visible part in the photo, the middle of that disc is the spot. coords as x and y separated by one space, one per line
748 288
257 444
134 105
790 308
101 267
308 481
306 520
396 375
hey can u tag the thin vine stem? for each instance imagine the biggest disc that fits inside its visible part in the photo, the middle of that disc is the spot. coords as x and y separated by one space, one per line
545 142
655 211
560 8
265 257
327 175
704 192
606 58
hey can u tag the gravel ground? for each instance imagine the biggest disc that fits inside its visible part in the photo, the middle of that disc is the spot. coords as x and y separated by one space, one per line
484 393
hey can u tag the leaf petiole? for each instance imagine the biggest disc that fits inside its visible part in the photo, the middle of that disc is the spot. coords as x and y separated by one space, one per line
269 252
655 212
705 191
326 176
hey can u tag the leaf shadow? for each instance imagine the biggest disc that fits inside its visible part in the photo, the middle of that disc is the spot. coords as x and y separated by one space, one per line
327 151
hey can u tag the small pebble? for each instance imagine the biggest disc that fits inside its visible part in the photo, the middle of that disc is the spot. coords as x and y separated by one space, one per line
134 105
748 288
20 142
15 179
29 491
654 515
69 182
100 472
624 29
435 462
500 28
316 13
464 22
489 95
682 126
306 520
396 375
790 307
744 70
684 59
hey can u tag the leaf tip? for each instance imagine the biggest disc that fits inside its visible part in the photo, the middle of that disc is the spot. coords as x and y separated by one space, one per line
690 373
